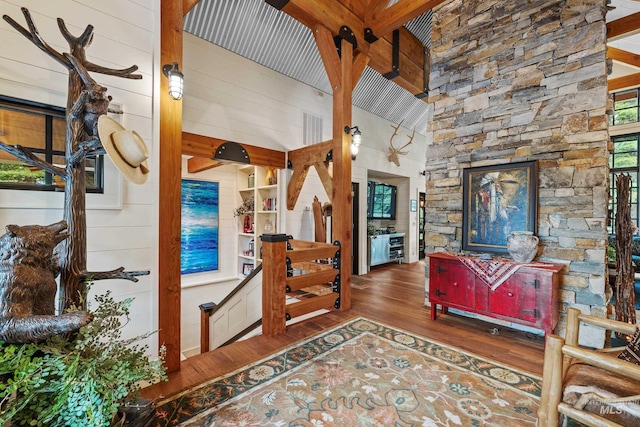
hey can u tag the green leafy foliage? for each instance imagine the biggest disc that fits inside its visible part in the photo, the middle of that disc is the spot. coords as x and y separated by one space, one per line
80 381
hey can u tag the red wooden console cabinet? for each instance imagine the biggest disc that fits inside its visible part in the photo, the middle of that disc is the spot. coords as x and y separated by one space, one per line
529 297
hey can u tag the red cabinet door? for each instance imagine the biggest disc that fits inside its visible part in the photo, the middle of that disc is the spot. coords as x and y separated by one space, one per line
450 282
516 297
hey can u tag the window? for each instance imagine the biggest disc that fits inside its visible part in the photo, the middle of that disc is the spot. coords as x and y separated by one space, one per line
42 129
623 159
381 201
625 108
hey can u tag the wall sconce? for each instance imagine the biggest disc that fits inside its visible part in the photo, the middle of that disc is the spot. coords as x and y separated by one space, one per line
176 80
356 140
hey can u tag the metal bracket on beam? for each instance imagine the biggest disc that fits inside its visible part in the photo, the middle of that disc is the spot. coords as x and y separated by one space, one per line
232 151
329 157
425 75
278 4
395 56
369 37
345 33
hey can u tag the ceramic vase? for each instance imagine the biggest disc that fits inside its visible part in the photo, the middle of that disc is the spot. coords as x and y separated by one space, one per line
522 246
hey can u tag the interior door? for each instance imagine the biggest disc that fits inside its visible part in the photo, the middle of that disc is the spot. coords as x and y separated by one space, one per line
355 227
421 224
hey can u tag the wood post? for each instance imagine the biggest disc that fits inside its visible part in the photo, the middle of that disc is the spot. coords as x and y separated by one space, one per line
274 275
170 165
551 393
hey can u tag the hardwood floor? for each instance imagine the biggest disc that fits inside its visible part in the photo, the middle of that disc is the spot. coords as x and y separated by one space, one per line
391 294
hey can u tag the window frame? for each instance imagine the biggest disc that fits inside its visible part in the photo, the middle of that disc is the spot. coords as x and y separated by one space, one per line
49 113
613 172
625 94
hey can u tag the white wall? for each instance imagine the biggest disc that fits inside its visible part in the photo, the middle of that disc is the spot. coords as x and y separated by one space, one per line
121 225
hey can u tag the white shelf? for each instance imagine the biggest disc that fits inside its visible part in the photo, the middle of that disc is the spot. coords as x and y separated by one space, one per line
264 195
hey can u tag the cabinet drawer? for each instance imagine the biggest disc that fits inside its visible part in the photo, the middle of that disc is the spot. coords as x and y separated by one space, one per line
452 283
516 298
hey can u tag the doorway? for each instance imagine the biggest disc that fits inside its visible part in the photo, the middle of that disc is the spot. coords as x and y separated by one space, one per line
422 208
355 227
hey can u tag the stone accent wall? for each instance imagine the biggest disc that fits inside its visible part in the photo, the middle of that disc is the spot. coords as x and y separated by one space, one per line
516 81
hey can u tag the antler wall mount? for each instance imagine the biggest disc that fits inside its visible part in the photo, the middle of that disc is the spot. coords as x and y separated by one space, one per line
395 152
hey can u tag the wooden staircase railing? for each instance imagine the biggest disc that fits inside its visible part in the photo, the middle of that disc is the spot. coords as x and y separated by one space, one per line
307 271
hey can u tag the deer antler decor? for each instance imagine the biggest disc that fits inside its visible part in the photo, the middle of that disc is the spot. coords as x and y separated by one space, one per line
395 152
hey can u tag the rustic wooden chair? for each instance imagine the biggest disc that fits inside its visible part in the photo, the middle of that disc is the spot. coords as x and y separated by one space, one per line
592 387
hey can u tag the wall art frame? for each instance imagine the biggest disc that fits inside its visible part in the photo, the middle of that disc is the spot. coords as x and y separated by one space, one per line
199 228
497 200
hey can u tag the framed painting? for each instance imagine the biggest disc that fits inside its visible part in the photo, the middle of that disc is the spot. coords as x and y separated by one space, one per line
199 231
496 201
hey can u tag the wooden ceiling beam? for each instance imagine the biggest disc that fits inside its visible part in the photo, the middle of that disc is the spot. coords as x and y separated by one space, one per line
326 17
623 56
632 80
200 164
391 18
411 60
328 13
623 27
205 146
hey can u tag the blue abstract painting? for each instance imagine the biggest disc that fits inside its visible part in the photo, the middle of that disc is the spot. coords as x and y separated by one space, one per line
199 248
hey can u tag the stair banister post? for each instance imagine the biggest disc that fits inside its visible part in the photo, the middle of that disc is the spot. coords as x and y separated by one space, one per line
274 275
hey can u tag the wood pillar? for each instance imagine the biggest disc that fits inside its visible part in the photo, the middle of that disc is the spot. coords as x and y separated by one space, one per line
274 275
341 201
169 187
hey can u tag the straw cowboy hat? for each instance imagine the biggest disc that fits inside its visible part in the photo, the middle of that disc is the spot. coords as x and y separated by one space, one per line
126 149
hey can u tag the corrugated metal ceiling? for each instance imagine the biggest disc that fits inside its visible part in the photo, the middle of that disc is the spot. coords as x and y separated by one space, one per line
263 34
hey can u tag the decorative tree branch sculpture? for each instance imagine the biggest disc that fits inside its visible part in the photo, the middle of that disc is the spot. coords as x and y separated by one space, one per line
86 102
625 295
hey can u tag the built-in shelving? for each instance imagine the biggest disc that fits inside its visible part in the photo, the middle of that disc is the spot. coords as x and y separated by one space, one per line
262 185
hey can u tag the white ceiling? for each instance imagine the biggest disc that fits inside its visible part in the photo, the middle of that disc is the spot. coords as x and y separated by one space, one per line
630 43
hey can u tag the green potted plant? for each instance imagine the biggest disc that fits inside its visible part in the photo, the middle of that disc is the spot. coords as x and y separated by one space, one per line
84 380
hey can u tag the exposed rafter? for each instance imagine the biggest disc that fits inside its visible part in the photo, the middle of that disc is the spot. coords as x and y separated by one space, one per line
623 56
334 15
391 18
632 80
623 27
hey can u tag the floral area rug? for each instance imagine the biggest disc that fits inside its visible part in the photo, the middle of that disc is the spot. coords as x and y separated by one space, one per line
362 373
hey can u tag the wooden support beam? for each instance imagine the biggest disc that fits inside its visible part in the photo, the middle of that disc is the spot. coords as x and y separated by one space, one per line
623 27
187 5
623 56
274 275
630 81
328 13
325 177
328 54
391 18
205 146
199 164
325 17
295 185
301 160
411 60
342 197
170 165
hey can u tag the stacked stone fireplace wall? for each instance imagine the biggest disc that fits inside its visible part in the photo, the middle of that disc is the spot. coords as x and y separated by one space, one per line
517 81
